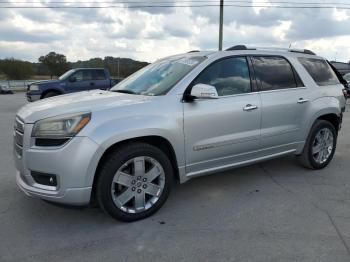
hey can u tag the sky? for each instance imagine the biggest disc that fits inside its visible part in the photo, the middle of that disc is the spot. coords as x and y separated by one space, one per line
147 34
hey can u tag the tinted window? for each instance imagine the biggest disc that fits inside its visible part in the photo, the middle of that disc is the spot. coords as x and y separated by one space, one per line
298 80
83 75
274 73
320 71
99 75
229 76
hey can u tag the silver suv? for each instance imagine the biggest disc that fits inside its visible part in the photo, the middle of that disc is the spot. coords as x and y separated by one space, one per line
181 117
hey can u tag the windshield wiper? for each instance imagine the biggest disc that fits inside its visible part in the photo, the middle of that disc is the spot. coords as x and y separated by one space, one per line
124 91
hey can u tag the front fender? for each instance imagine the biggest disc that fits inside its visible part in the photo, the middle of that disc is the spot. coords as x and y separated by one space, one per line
52 88
113 131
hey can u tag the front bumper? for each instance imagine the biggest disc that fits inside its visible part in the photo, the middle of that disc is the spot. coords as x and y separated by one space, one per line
71 196
73 164
31 97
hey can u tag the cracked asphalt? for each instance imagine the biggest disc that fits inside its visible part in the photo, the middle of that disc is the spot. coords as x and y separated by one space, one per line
272 211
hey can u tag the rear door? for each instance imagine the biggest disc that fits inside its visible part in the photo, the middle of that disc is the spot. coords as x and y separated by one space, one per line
100 79
284 100
220 132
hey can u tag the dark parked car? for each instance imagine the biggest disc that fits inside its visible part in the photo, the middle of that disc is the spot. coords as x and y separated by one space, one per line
74 80
343 68
347 79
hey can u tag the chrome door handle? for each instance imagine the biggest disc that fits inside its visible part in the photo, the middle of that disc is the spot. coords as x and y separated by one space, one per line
249 107
302 100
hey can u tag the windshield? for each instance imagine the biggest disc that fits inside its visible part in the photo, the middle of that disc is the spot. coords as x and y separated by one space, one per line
66 74
158 78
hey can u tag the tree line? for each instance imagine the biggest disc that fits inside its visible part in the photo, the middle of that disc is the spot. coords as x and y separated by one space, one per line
54 65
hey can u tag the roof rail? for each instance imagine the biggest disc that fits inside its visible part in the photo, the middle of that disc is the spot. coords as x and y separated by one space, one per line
243 47
304 51
193 51
237 47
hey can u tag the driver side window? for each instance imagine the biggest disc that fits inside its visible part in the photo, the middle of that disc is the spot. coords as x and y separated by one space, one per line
78 76
82 75
229 76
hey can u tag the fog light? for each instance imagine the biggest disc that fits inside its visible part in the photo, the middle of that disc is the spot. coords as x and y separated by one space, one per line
44 179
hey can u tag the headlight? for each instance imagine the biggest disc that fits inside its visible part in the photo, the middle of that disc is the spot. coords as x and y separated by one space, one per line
61 126
33 87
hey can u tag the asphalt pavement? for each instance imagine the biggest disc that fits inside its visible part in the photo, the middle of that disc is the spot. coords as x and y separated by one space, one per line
273 211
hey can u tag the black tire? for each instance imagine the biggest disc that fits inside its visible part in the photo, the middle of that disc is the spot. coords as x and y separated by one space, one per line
306 158
111 165
50 94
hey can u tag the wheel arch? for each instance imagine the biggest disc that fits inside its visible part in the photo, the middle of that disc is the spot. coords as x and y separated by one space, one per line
54 90
333 118
157 141
333 115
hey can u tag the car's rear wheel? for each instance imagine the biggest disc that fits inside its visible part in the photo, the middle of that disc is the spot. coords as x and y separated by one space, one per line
320 145
134 182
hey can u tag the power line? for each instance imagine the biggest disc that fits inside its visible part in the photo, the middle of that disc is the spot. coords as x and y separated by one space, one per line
165 2
132 4
174 3
172 6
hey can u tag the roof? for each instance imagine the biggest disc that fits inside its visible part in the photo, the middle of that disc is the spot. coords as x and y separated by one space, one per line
243 50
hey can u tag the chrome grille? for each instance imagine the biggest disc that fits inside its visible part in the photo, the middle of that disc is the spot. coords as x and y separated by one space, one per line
18 136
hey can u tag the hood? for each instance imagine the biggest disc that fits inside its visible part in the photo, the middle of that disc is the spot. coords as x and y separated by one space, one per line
43 82
88 101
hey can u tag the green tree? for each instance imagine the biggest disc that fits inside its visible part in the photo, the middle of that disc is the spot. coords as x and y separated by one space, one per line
56 63
15 69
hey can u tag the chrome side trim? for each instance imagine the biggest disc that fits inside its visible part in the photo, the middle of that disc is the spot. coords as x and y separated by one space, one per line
238 164
248 153
277 133
223 143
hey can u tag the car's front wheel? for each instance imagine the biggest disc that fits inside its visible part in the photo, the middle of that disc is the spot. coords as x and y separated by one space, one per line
320 145
134 181
50 94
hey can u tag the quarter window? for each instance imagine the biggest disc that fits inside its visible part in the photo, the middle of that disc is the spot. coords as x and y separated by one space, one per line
274 73
229 76
320 71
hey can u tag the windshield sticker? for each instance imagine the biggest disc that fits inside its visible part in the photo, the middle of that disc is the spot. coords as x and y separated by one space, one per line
187 61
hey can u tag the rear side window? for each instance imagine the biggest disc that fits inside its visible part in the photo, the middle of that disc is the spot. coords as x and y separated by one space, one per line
320 71
99 75
275 73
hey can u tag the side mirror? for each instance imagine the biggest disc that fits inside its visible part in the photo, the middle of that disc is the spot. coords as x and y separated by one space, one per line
72 79
203 91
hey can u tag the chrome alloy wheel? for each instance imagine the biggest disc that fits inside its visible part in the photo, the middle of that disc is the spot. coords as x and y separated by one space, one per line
138 184
322 145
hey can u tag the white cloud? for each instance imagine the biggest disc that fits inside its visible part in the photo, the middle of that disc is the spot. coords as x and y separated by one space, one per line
149 34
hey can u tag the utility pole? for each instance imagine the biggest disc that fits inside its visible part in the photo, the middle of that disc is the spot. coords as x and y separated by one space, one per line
118 67
221 23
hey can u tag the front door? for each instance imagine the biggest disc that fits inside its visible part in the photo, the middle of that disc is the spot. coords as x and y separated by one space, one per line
220 132
83 81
